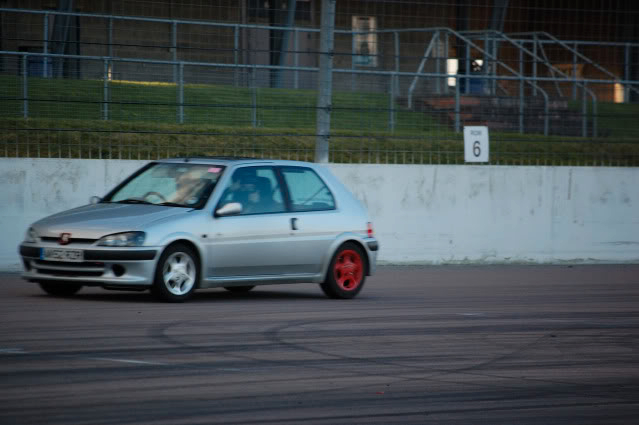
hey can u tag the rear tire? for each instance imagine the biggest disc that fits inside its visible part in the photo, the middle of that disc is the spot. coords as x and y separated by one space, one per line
60 289
239 289
346 273
177 274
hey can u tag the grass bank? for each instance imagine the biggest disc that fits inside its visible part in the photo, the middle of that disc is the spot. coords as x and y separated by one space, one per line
66 120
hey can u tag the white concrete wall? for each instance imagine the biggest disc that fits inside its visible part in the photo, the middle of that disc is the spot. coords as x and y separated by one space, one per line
422 214
31 189
500 214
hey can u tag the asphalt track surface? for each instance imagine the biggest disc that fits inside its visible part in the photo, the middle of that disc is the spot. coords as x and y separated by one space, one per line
451 344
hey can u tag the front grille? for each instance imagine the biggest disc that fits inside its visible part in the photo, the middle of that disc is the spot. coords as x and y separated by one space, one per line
79 241
63 268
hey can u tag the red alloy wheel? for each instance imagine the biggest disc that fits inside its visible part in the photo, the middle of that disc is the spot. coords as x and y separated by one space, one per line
348 270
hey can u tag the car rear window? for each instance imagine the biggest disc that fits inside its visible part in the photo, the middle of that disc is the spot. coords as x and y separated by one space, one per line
307 190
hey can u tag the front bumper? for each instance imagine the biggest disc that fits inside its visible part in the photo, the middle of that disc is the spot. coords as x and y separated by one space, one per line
133 267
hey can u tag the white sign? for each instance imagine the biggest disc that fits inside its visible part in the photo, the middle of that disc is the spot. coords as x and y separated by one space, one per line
476 144
364 42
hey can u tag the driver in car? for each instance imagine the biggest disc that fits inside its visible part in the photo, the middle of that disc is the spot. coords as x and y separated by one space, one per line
189 186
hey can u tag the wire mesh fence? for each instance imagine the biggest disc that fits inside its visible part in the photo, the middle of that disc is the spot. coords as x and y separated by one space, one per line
148 79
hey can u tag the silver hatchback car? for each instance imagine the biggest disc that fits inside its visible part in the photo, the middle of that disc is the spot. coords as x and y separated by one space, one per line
181 224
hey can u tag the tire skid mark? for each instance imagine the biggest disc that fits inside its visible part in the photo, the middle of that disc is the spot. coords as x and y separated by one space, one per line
436 374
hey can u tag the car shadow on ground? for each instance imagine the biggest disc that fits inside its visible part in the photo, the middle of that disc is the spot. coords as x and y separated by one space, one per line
205 295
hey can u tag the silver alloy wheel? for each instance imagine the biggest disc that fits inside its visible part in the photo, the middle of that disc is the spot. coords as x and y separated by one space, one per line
179 273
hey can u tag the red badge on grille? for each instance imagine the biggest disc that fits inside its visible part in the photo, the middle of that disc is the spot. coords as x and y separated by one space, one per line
65 238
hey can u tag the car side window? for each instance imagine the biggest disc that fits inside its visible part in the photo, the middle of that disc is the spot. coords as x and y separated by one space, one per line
257 189
307 190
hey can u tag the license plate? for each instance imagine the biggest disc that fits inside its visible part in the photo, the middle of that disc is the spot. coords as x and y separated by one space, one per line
61 254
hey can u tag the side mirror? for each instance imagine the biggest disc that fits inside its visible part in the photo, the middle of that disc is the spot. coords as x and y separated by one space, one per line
232 208
94 200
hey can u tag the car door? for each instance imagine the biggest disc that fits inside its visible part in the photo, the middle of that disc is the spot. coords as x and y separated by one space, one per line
253 243
314 216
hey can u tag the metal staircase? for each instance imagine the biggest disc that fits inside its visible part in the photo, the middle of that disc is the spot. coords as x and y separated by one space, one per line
497 71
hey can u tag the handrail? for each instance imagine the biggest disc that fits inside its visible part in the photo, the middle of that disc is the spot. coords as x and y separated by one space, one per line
516 77
520 77
257 26
596 65
563 44
286 68
180 84
570 42
558 71
157 20
420 68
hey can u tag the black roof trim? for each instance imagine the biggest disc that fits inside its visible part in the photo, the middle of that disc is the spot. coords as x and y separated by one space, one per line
221 158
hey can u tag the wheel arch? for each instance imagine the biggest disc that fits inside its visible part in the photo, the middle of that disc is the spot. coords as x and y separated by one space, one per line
189 243
346 238
364 250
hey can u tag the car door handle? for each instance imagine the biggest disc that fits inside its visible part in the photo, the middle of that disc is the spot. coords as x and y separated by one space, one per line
294 223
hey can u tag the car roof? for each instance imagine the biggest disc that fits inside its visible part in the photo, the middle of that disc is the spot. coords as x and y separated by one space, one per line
233 160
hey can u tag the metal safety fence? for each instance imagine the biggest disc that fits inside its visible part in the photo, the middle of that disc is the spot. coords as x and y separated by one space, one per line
401 103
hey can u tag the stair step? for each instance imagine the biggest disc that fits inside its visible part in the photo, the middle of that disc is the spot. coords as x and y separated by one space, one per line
502 113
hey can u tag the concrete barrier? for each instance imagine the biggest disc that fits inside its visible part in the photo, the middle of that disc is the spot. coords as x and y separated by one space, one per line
426 214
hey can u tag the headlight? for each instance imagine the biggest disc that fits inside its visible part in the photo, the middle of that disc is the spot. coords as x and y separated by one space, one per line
31 236
123 239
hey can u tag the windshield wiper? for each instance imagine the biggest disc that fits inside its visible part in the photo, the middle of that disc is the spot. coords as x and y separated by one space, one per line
134 201
173 204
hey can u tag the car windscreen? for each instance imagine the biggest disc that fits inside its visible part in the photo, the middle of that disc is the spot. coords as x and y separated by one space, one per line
169 184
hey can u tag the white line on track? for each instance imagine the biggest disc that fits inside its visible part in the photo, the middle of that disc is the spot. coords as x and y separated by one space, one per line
108 359
12 351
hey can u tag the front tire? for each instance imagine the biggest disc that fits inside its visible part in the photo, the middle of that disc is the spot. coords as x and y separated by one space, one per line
59 289
346 273
177 274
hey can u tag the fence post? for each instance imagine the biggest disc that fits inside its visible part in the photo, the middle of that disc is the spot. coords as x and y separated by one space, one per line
485 65
110 37
25 88
352 61
546 115
391 106
535 63
45 46
584 111
594 117
105 92
180 94
446 66
110 45
626 74
521 92
174 50
236 52
495 64
253 97
468 66
325 83
457 108
296 58
574 73
437 64
396 45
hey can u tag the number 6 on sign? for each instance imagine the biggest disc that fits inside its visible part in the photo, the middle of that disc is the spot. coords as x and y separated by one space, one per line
476 144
